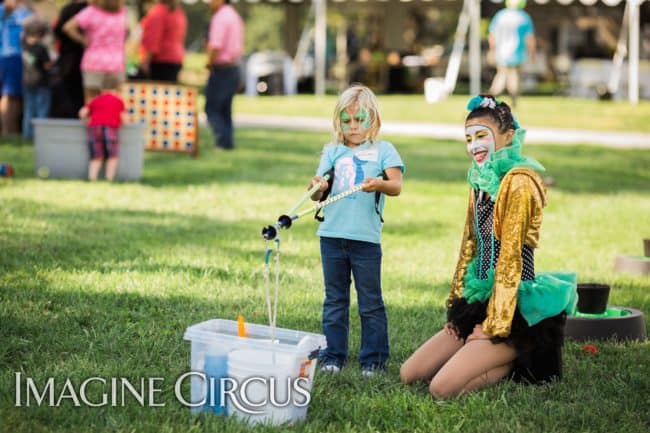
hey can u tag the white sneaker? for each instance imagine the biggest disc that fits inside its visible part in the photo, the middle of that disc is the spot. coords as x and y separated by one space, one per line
371 371
330 369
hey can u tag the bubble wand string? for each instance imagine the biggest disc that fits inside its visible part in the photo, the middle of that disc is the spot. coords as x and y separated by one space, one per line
272 307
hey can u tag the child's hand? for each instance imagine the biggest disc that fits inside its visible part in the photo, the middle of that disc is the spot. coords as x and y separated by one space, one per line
323 187
83 112
124 117
477 334
315 180
372 184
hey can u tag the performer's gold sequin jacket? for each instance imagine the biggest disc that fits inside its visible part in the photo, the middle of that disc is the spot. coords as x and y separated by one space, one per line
517 220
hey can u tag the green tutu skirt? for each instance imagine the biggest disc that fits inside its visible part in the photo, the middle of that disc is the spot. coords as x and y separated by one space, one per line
537 329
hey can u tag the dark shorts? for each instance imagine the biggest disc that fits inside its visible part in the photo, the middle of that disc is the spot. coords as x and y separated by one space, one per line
11 75
103 142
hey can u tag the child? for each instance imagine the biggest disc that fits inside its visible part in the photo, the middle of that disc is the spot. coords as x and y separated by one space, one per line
105 113
36 67
501 316
351 230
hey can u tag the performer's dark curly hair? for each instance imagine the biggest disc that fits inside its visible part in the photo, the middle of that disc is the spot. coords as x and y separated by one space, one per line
500 113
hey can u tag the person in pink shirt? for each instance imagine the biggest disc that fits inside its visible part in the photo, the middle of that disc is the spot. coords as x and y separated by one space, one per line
105 114
224 49
101 28
163 39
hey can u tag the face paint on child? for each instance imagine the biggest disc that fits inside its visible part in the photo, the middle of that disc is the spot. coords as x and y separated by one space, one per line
361 116
345 121
480 142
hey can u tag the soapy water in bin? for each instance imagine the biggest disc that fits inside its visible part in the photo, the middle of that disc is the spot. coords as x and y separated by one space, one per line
277 367
215 368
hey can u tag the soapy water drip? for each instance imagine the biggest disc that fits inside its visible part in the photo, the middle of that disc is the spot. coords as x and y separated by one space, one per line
272 307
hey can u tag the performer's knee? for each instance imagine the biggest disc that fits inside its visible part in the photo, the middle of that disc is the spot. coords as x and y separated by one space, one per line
441 388
405 373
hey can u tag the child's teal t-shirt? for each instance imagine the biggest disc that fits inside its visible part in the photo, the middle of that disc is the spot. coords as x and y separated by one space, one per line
355 217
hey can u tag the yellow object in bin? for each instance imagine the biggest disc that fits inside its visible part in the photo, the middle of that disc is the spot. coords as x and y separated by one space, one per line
241 327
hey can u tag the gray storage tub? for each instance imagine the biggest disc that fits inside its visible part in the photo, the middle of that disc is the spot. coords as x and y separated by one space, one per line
62 151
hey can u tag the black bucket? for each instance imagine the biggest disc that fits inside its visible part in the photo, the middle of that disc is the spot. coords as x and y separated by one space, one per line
592 298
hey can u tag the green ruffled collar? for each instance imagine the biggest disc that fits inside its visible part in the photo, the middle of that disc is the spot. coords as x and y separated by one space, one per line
488 177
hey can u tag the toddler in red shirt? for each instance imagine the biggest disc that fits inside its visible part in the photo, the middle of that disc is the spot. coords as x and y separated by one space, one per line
105 114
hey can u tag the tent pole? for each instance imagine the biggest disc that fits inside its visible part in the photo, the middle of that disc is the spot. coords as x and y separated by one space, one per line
475 47
320 45
633 65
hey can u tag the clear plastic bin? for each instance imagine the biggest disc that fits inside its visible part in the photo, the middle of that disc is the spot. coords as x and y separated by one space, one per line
212 342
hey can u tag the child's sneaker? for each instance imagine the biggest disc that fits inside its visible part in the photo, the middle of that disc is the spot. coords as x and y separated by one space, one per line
369 371
330 368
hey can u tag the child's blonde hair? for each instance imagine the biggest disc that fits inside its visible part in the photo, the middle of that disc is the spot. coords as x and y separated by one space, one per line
365 99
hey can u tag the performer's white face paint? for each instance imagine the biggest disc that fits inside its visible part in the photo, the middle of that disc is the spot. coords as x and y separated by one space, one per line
480 142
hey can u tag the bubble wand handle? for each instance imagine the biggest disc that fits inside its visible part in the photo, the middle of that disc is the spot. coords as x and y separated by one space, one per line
308 194
330 200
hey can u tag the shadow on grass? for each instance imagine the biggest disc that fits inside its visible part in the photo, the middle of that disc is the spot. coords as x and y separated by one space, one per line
101 239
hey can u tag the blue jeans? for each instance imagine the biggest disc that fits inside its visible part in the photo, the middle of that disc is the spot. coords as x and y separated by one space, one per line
36 104
342 258
219 92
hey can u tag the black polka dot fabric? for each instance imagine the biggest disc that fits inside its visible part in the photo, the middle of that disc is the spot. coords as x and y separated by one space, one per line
485 213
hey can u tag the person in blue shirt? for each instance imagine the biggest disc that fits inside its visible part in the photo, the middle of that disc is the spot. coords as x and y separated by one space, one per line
512 40
350 232
12 15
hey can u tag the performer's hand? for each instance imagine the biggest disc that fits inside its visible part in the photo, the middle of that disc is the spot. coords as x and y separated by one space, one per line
477 334
451 330
372 184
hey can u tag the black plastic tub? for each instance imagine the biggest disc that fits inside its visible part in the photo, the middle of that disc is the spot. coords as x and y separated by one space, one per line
592 298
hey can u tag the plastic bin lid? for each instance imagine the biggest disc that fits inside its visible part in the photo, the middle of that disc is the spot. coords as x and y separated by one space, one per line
224 332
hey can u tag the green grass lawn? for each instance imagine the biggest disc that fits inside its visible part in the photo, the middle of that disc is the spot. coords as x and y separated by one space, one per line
101 279
539 111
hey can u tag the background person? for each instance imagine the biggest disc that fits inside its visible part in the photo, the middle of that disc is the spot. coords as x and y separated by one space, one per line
105 114
36 73
12 15
101 29
163 41
67 88
512 38
225 47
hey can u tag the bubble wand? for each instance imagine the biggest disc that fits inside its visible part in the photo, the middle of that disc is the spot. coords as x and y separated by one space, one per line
270 232
308 194
285 221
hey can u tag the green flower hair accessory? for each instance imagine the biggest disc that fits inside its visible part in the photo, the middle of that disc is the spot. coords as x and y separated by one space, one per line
479 101
488 177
